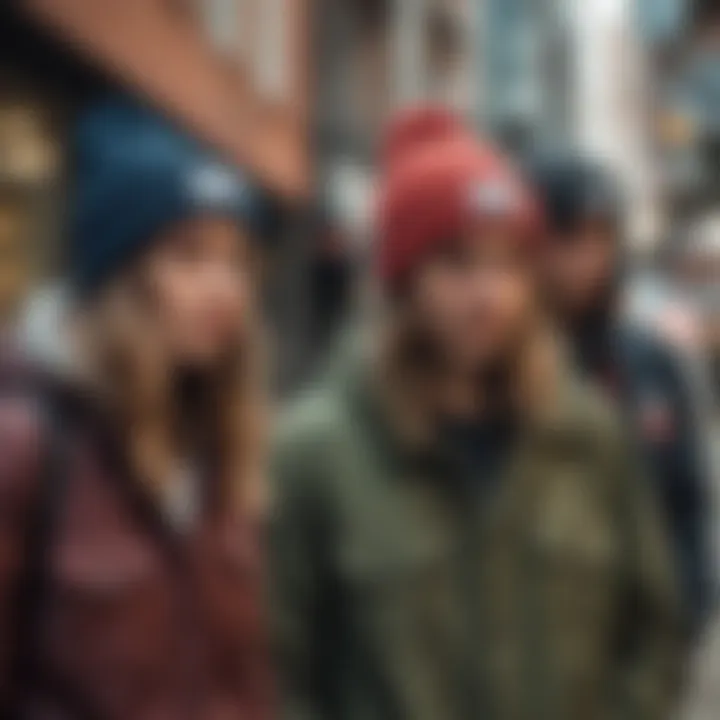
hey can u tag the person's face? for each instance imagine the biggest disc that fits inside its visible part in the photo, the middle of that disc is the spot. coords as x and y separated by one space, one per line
200 280
475 298
580 265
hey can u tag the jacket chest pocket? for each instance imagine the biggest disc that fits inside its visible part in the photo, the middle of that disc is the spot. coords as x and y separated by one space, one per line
573 526
575 552
112 610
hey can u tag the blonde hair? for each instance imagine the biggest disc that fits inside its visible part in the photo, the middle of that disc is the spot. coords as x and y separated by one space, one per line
129 369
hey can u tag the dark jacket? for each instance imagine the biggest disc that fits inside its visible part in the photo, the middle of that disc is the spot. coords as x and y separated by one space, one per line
649 378
106 612
402 592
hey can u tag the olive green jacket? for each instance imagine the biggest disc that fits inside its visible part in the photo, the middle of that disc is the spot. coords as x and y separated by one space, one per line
401 594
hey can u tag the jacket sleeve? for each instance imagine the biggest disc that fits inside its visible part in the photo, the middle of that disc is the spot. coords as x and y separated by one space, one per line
692 494
19 466
298 569
650 654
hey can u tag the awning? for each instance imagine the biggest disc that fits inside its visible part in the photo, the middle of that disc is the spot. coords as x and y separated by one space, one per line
163 55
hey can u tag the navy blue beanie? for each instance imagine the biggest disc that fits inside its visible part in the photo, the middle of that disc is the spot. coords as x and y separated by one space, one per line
573 189
135 174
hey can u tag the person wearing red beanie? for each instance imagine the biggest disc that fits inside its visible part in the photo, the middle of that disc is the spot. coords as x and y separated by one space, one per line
438 184
447 541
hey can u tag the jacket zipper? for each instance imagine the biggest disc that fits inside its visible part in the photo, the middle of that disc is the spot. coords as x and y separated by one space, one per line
473 700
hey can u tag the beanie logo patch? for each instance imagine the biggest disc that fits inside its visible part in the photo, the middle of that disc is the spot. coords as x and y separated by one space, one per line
214 186
494 197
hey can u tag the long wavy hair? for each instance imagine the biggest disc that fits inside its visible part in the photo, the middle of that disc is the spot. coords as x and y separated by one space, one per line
119 340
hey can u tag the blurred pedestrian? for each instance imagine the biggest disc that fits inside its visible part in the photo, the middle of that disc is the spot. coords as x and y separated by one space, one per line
695 268
461 530
130 570
584 274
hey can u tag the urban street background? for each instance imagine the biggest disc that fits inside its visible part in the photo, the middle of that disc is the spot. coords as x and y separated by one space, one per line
296 91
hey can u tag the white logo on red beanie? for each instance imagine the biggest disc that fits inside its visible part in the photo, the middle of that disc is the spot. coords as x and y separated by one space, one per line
494 197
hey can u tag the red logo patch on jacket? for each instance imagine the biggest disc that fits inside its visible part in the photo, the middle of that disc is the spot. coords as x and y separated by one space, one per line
657 420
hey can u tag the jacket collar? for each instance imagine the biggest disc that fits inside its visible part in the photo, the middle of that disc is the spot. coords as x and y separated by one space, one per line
395 406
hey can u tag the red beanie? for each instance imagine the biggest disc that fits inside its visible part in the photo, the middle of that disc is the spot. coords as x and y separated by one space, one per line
438 181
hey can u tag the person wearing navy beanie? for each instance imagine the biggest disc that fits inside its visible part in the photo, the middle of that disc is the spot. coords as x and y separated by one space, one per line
585 272
135 175
132 477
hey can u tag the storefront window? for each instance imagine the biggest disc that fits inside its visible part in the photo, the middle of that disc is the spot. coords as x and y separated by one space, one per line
27 154
15 262
30 154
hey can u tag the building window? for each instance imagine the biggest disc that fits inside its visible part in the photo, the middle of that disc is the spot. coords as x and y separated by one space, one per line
272 52
256 33
223 22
